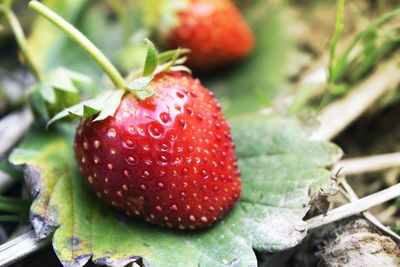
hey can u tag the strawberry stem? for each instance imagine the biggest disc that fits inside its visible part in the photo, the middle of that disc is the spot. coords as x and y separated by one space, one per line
21 40
84 42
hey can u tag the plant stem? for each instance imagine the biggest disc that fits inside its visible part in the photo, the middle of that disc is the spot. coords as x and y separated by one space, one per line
20 37
84 42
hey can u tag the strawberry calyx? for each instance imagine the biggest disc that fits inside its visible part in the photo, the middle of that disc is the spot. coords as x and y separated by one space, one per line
154 64
105 104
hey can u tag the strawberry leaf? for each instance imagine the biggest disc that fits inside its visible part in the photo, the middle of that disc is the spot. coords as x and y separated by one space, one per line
279 165
65 79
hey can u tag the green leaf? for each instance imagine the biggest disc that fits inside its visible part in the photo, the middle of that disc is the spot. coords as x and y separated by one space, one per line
11 171
65 79
280 167
37 102
47 92
151 61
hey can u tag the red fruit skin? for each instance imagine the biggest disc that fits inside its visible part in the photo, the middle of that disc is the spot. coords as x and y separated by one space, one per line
168 159
214 31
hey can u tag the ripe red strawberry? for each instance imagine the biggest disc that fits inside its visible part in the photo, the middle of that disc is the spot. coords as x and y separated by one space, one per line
214 31
168 159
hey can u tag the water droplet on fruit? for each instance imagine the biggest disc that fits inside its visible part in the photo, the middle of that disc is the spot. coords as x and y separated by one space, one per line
131 160
180 94
164 117
128 144
154 131
174 207
182 195
163 160
189 111
146 173
164 147
160 185
182 123
146 147
111 133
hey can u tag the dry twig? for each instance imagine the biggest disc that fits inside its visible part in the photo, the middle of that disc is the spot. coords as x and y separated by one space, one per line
355 207
353 197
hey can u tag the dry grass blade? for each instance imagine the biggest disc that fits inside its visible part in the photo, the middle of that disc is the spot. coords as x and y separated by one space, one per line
355 207
20 247
367 164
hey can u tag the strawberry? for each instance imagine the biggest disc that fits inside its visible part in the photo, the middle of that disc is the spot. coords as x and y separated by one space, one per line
213 30
157 147
168 159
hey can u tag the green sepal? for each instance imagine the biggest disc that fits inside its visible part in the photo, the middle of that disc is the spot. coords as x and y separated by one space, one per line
140 87
151 61
106 104
89 111
170 54
113 102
